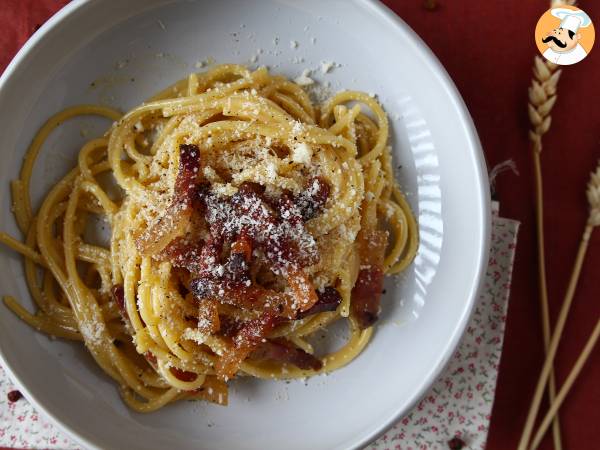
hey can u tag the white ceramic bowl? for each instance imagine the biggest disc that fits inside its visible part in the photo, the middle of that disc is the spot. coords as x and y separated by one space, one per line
156 42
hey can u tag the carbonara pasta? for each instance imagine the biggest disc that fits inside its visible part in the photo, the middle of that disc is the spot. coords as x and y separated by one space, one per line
248 219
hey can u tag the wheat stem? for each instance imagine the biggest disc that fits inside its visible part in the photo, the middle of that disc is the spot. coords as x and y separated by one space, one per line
593 195
564 390
542 96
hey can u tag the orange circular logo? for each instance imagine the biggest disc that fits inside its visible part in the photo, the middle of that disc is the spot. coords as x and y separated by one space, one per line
565 35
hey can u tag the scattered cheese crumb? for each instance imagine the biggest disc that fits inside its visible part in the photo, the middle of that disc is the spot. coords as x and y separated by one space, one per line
193 334
160 24
304 79
293 44
302 153
139 126
326 66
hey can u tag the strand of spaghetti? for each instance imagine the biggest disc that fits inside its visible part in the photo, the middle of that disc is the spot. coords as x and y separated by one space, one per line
23 249
22 203
151 404
399 223
413 236
40 322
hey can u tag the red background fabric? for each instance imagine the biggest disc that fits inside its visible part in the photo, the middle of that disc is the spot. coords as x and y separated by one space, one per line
488 49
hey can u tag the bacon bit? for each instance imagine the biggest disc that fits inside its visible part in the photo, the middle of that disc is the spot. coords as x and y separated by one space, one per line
245 341
372 247
288 209
208 316
303 290
284 351
312 201
183 254
118 295
230 326
366 294
213 390
243 245
177 217
236 268
249 212
150 358
238 265
14 396
183 375
189 170
329 300
456 443
170 226
253 298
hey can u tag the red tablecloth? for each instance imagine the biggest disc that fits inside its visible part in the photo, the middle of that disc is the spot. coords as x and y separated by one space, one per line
487 47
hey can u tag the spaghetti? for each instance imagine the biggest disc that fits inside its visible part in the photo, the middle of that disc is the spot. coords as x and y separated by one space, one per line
249 218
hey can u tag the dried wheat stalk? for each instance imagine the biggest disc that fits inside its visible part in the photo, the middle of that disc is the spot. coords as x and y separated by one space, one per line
542 96
593 195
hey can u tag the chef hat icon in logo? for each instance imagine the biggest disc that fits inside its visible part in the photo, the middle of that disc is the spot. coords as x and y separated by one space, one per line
565 35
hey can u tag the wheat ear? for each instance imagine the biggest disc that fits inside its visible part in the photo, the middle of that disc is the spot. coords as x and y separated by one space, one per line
542 96
593 195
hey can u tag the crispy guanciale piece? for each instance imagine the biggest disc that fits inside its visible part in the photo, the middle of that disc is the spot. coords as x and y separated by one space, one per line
183 254
247 211
150 358
302 289
183 375
174 222
245 341
118 295
312 201
208 316
329 300
366 294
251 298
196 257
213 390
282 350
237 268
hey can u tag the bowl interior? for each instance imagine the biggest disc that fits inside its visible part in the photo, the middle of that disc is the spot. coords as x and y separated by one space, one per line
119 56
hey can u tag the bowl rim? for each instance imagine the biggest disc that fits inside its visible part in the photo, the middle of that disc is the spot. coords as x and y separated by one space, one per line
385 15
